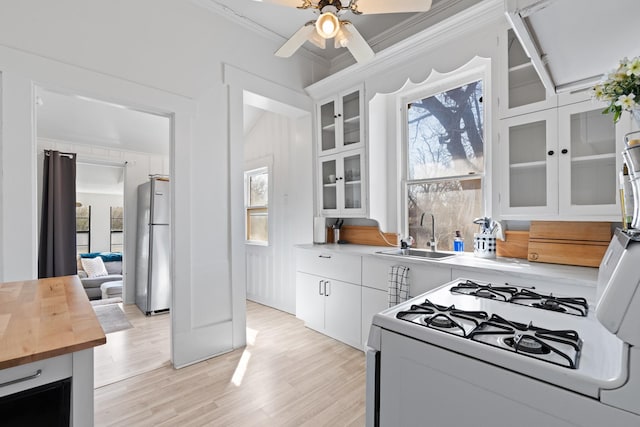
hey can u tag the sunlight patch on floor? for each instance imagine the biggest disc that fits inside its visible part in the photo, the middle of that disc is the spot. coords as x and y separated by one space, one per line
241 369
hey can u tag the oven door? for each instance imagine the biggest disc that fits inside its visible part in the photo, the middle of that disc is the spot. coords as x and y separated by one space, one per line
372 397
423 384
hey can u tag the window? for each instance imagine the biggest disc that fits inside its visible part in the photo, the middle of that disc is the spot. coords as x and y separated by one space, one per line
116 217
256 205
83 229
445 164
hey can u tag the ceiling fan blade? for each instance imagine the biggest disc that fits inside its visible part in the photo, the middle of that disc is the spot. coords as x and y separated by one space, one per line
369 7
296 40
357 45
290 3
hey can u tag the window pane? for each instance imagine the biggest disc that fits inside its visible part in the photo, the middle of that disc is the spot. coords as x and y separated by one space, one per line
445 133
258 226
454 204
116 218
258 189
82 218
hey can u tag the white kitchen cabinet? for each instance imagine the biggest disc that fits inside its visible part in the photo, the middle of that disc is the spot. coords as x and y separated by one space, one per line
340 122
328 294
423 276
342 184
560 163
521 90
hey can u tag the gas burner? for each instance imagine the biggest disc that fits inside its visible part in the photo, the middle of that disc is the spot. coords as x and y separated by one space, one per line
445 319
440 321
501 293
560 347
576 306
527 344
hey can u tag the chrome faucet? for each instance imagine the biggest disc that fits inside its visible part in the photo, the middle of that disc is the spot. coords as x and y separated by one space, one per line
431 243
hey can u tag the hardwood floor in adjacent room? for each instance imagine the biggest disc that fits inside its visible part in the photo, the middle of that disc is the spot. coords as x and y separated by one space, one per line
287 375
133 351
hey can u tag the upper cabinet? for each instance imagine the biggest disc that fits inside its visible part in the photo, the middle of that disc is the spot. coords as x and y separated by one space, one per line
521 90
340 122
561 163
569 46
341 155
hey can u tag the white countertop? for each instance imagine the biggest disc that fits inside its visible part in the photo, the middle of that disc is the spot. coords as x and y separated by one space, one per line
467 261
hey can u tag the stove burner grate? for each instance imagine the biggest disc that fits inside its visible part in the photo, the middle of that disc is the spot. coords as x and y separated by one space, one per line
576 306
530 340
502 293
445 319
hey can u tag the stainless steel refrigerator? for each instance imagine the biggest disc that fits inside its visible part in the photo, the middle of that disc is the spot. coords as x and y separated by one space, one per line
153 249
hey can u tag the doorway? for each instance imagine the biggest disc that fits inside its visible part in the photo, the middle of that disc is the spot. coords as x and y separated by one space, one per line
117 148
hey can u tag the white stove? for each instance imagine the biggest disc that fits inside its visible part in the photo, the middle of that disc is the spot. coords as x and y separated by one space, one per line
504 355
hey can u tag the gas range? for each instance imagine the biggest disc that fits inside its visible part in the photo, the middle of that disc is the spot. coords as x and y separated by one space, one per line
570 348
543 357
558 346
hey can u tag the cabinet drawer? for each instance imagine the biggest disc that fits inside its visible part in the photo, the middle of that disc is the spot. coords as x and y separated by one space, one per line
51 370
347 268
423 276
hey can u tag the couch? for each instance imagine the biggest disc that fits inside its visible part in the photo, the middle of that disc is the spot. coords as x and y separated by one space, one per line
113 264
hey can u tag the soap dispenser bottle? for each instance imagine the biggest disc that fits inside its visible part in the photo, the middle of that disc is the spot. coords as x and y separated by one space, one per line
458 242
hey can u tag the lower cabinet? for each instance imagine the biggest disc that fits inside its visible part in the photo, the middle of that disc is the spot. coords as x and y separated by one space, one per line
329 306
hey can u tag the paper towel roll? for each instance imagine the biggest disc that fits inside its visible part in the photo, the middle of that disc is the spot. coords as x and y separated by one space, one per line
319 230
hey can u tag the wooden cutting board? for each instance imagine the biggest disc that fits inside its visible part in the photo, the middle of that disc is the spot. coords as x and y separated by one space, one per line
567 242
515 245
364 235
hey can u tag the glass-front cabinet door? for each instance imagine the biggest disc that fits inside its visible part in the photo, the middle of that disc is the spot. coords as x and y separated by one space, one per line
342 184
588 161
329 184
328 129
353 182
529 165
340 122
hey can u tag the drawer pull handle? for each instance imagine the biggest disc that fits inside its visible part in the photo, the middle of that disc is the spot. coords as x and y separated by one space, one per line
324 256
327 292
320 287
19 380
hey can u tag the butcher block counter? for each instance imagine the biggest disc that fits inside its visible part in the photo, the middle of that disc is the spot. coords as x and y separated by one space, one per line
48 330
43 318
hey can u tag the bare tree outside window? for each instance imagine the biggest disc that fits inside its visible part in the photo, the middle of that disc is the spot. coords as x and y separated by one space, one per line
445 163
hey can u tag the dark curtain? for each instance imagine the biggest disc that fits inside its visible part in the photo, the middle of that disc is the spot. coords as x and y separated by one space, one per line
57 253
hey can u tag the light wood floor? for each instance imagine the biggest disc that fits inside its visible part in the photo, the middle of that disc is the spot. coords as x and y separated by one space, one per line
140 349
287 375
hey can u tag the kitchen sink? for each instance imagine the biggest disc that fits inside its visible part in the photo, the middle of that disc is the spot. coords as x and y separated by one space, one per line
418 253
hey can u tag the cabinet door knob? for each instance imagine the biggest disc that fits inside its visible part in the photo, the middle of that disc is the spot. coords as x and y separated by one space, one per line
339 115
564 151
551 152
335 116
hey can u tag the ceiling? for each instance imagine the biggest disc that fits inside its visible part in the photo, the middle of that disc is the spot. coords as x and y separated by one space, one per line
80 120
281 22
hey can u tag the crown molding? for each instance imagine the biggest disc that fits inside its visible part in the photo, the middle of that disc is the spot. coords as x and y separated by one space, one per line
440 10
468 20
244 21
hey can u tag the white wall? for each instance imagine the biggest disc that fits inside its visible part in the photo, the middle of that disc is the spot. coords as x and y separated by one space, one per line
100 218
164 56
282 142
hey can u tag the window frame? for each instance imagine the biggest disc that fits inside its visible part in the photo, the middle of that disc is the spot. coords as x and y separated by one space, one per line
476 69
87 232
257 209
113 231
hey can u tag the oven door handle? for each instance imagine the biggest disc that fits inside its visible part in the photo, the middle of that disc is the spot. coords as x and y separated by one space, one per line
23 379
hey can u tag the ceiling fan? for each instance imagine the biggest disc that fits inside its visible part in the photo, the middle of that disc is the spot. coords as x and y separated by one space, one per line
330 25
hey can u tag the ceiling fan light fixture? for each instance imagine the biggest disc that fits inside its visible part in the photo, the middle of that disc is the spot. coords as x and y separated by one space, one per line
328 25
342 38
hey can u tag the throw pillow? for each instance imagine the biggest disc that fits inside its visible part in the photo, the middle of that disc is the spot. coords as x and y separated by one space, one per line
94 267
